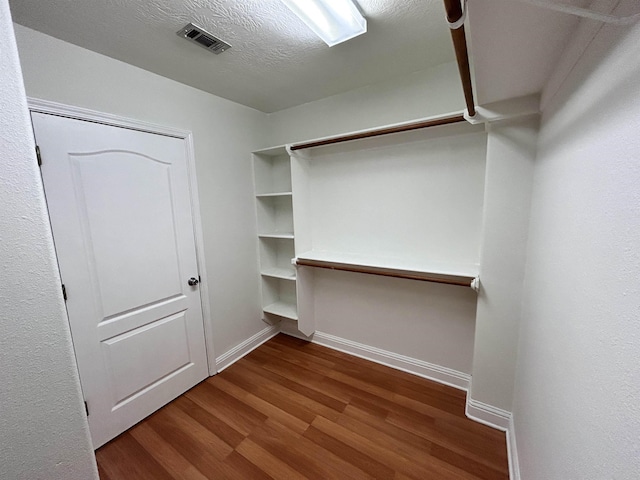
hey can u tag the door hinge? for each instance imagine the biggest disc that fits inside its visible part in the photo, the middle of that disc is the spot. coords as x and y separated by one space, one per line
64 292
38 156
86 408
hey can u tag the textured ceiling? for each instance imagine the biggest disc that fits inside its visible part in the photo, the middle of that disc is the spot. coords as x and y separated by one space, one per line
275 61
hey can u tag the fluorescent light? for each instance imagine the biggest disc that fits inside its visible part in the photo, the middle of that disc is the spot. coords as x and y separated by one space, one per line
334 21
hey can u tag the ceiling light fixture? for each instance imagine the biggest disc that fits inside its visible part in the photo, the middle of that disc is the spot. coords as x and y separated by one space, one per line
334 21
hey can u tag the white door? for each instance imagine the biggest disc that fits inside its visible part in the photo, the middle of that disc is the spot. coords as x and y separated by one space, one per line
121 217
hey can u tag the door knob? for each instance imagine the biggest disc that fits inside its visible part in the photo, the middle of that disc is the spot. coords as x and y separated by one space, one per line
193 281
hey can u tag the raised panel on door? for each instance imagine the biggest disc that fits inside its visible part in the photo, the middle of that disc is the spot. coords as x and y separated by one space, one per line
131 368
117 193
122 223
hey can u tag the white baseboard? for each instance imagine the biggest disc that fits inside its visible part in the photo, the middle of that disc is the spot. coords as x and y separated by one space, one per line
239 351
512 452
487 414
501 420
444 375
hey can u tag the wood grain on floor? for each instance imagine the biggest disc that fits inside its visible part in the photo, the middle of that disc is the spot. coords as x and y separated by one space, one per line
295 410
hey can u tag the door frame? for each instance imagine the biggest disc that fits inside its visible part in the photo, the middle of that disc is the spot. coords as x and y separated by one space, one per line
79 113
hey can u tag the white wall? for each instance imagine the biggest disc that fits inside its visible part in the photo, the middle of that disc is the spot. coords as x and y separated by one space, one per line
44 433
224 135
577 396
426 321
415 196
511 148
430 92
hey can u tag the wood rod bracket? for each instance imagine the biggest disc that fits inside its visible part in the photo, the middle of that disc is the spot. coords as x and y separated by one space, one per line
455 25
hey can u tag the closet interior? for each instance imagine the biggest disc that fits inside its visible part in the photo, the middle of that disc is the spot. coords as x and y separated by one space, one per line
406 208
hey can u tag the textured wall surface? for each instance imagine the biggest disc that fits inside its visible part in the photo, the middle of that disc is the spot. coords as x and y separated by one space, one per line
224 134
44 434
426 321
433 91
577 398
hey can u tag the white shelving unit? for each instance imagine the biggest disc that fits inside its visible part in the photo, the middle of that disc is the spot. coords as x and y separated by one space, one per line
274 212
332 207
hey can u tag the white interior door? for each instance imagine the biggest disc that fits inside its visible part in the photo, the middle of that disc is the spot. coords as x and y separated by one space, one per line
121 216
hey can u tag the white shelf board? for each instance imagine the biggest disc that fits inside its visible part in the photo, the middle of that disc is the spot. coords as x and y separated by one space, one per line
282 309
410 268
275 194
272 151
276 272
276 235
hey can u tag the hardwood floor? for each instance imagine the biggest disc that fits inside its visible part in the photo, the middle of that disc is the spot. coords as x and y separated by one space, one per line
295 410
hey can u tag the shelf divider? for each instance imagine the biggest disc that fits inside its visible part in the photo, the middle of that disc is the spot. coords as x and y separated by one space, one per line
282 309
285 236
274 194
277 272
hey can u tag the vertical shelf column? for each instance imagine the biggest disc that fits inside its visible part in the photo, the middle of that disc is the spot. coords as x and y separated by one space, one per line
300 174
274 211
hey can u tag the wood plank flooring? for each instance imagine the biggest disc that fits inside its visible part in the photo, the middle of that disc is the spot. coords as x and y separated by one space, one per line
296 410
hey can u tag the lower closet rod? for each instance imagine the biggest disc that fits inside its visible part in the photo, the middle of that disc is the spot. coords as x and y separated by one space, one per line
460 280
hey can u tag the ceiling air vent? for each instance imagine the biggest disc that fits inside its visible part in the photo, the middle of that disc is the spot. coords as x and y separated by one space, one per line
197 35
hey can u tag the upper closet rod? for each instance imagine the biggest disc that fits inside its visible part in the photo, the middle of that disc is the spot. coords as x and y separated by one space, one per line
381 131
456 17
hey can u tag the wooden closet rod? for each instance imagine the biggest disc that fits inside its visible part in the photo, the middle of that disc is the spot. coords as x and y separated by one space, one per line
454 15
381 131
460 280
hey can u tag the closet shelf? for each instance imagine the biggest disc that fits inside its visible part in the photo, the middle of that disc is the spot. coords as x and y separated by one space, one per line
438 272
282 309
276 272
274 194
276 235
